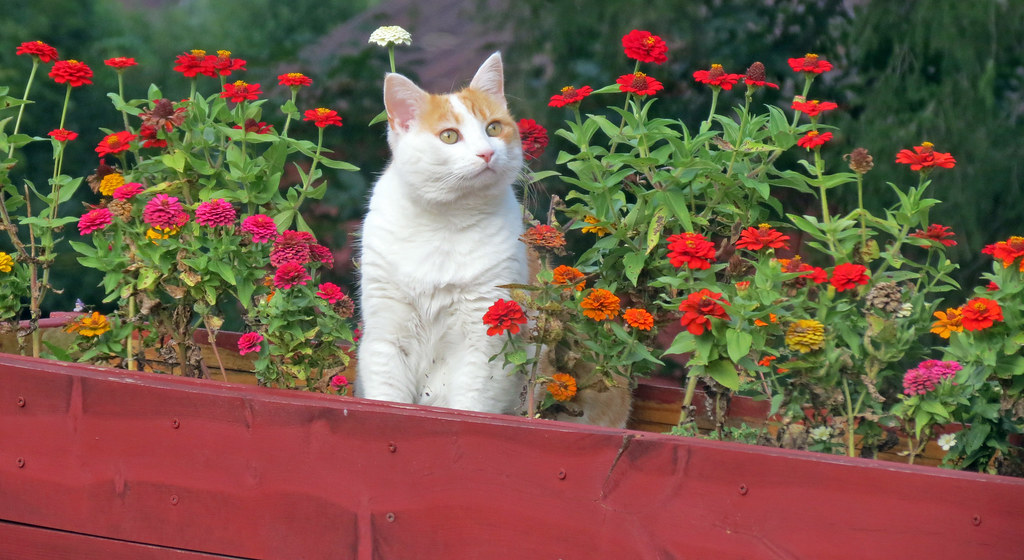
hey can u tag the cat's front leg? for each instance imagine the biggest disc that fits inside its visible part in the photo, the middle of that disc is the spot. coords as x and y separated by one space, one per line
475 381
383 370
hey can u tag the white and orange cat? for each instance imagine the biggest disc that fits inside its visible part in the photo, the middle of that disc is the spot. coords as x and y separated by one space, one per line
440 237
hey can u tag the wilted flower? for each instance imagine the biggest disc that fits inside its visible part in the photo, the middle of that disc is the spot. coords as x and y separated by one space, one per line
544 236
592 228
755 77
163 115
860 160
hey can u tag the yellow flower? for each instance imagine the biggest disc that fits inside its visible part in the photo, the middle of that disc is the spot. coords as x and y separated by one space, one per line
600 305
110 183
155 233
948 322
89 325
562 386
600 231
805 335
6 262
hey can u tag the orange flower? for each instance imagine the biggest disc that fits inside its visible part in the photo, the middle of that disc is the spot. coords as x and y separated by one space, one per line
600 304
772 318
89 325
1007 251
597 230
767 360
567 275
544 236
949 321
562 386
638 319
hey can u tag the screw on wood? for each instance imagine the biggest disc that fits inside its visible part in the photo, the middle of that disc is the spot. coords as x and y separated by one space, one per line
21 401
561 474
744 490
390 517
174 500
976 520
20 462
175 424
392 447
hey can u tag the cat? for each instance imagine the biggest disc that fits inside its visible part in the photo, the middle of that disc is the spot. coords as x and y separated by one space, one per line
440 236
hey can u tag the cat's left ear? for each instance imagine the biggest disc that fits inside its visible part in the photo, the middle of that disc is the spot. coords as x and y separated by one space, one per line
490 77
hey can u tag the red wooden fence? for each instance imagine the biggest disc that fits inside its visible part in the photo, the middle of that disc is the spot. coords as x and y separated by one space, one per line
102 463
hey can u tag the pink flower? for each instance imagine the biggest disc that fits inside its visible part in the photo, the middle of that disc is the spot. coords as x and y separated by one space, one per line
330 292
261 227
290 274
292 246
339 381
127 190
215 213
927 376
164 212
322 255
249 342
94 220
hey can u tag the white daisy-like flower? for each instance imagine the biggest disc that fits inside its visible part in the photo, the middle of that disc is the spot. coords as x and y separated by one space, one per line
390 35
821 433
905 310
946 441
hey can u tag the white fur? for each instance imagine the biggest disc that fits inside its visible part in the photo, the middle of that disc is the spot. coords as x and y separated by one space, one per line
441 234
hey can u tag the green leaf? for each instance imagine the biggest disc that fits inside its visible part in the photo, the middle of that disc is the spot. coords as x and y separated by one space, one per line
381 117
175 161
737 344
633 264
724 372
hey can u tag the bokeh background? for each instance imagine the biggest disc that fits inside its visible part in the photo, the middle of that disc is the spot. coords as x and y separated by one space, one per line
945 71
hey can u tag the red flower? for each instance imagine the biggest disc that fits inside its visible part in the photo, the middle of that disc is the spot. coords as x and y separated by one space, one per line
261 227
38 49
330 292
94 220
115 143
848 275
1007 251
925 157
249 342
290 274
755 239
639 83
193 63
755 77
215 213
690 249
255 127
980 313
294 79
543 236
73 72
322 117
796 264
150 138
813 139
717 77
645 47
534 137
698 309
810 63
223 64
127 191
570 96
813 108
163 115
120 62
164 212
292 246
502 316
992 287
239 91
936 232
321 254
62 135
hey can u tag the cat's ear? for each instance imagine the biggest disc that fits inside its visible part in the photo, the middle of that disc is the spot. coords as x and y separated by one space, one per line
402 99
490 77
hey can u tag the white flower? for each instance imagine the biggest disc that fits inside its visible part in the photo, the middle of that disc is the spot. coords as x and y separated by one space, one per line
905 310
946 441
390 35
821 433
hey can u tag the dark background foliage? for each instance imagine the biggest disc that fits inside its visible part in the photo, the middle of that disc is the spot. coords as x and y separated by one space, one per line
943 71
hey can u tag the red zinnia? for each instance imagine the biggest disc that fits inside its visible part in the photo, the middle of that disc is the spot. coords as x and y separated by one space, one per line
115 143
261 227
1007 251
757 238
330 292
570 96
94 220
645 47
810 63
164 212
38 49
223 64
322 117
639 83
73 72
925 157
149 137
717 77
936 232
796 264
813 139
294 79
534 138
755 77
249 342
813 108
504 315
239 91
215 213
255 127
194 62
699 308
63 135
980 313
290 274
292 246
848 275
120 62
690 249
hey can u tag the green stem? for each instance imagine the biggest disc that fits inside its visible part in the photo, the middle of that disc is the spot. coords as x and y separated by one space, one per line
21 109
691 389
120 93
391 56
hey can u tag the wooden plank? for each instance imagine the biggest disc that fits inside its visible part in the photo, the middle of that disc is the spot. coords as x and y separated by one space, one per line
23 542
263 473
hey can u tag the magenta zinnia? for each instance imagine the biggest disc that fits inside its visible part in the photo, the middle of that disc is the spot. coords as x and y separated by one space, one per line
249 342
504 316
329 292
94 220
290 274
164 212
261 227
927 376
215 213
127 190
292 246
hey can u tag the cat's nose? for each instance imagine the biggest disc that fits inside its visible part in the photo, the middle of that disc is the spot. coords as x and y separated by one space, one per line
486 155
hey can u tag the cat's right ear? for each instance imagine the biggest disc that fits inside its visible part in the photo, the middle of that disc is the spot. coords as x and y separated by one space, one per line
402 100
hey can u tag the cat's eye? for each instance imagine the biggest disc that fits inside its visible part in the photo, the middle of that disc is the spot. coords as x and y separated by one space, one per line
494 128
449 136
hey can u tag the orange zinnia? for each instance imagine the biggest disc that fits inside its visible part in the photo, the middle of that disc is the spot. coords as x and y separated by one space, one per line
980 313
567 275
600 304
638 319
949 322
562 386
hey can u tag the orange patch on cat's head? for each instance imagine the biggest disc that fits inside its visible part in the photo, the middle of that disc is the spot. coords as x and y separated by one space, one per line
437 113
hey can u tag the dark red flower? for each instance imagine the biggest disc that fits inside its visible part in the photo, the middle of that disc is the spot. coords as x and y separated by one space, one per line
848 275
256 127
570 96
810 63
163 115
62 135
544 236
936 232
690 249
240 91
925 157
115 143
755 77
294 79
813 108
699 308
289 275
757 238
38 49
639 83
717 77
813 139
292 246
645 47
150 138
980 313
534 137
120 62
72 72
504 316
322 117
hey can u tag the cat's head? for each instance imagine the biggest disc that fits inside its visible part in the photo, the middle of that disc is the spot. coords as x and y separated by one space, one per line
452 145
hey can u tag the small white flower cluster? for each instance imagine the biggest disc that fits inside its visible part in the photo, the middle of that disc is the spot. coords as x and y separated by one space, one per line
946 441
821 433
390 35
